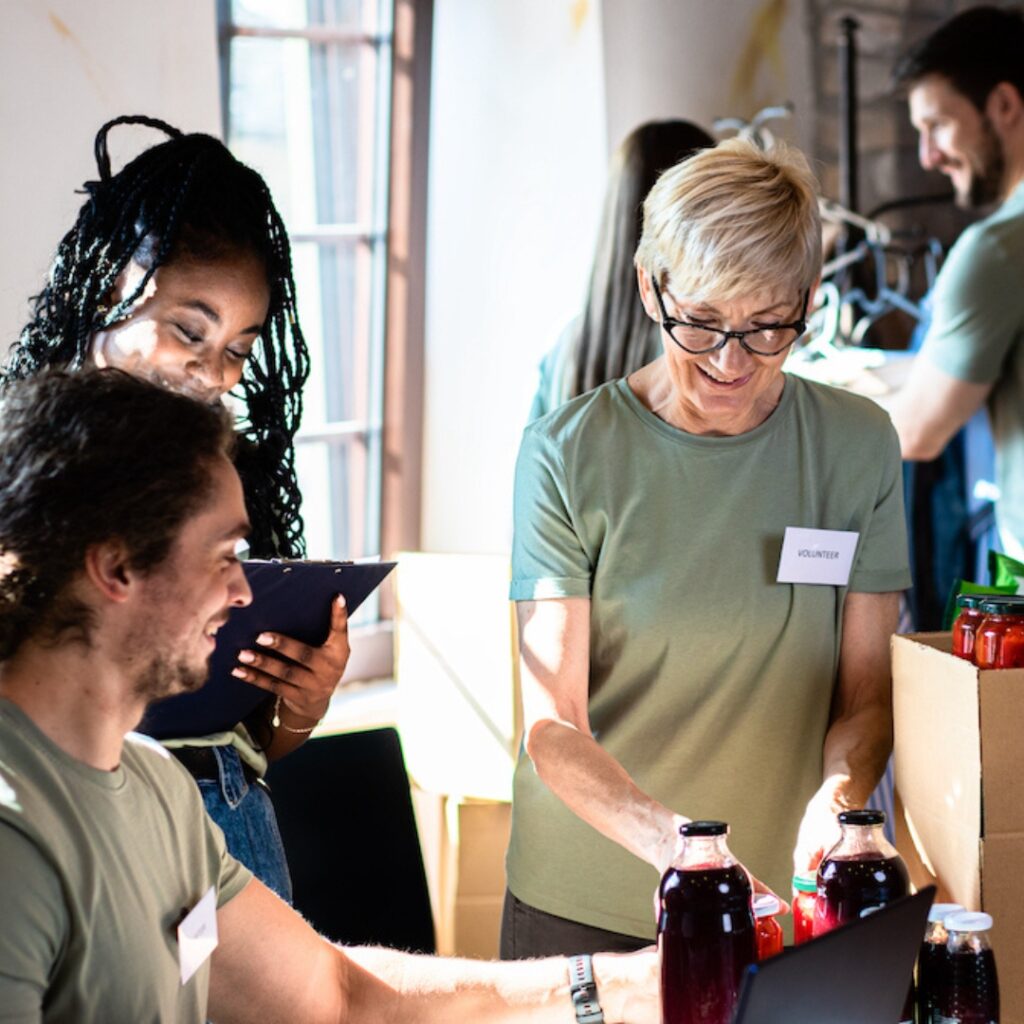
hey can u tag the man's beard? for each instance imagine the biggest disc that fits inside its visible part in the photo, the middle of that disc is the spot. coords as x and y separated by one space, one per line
988 171
160 678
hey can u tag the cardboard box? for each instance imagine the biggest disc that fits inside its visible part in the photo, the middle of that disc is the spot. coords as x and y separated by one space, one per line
459 711
959 753
460 719
464 843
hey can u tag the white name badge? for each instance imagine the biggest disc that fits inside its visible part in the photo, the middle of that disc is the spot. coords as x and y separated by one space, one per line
197 935
824 557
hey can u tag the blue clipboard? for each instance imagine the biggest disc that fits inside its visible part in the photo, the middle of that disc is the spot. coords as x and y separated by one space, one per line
288 597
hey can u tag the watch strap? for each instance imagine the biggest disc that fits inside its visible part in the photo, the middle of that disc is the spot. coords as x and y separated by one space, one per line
583 990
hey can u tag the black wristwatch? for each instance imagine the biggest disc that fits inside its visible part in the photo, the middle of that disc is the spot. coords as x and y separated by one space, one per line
583 990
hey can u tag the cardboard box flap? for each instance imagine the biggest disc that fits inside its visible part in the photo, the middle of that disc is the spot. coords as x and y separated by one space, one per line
1002 751
458 706
937 751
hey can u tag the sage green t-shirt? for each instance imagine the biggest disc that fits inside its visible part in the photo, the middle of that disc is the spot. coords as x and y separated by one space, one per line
709 682
96 871
977 335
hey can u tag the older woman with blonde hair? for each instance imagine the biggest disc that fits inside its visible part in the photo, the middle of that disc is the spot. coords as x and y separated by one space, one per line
684 653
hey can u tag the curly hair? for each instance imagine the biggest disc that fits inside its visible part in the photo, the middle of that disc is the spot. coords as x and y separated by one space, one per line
87 457
186 198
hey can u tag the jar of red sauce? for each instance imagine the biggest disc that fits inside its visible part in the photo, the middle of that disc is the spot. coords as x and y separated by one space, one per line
805 894
999 638
966 625
768 930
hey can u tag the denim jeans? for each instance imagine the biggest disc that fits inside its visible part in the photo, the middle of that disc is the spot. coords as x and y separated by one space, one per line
246 816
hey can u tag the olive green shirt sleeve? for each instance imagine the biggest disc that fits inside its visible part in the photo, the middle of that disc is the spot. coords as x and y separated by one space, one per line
977 308
548 559
30 894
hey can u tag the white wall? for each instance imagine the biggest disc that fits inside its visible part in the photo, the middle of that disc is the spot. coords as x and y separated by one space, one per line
529 97
702 59
68 66
517 167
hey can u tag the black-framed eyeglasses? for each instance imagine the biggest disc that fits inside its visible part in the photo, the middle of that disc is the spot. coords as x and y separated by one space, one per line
760 341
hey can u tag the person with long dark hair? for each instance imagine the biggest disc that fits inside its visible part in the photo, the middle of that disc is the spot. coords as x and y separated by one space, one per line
613 335
178 268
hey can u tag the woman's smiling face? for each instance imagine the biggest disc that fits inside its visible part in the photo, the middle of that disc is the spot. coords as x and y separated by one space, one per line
729 390
194 325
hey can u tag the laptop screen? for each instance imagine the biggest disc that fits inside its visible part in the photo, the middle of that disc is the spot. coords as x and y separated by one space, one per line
858 974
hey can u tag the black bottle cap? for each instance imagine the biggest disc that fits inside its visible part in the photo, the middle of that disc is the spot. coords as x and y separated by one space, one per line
703 828
868 816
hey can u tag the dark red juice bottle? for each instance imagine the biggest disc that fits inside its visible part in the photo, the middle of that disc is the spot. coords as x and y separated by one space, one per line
860 874
968 990
930 961
706 931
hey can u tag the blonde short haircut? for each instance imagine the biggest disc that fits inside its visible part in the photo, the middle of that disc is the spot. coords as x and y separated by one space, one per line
733 221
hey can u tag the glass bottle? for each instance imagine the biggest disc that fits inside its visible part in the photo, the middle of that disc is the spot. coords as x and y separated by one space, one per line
706 930
860 874
930 961
769 931
966 625
805 891
999 638
968 991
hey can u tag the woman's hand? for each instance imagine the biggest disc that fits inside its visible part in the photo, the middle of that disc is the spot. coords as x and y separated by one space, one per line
819 829
306 681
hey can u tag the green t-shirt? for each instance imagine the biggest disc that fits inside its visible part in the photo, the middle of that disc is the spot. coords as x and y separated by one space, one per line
977 335
96 871
709 682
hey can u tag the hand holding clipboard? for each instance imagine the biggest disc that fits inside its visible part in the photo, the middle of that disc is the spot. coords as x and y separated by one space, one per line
291 599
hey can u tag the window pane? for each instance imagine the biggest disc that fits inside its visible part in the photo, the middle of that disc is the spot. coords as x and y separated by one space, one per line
311 115
333 476
305 116
335 293
302 13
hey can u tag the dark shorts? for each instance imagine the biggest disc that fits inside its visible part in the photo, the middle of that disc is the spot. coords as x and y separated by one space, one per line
528 932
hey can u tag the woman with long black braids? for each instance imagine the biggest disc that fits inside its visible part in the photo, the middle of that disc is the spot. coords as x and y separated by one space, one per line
178 268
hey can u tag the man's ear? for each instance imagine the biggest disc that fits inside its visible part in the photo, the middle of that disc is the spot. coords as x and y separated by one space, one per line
107 569
643 280
1005 106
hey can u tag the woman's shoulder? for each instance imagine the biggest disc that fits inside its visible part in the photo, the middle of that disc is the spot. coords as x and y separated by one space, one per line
858 417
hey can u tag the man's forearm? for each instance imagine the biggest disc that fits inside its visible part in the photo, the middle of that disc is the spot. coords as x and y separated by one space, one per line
441 989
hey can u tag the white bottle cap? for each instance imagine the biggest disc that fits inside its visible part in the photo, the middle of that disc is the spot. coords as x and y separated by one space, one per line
968 922
940 911
766 905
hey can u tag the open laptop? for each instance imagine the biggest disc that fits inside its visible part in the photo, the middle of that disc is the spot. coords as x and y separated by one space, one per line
857 974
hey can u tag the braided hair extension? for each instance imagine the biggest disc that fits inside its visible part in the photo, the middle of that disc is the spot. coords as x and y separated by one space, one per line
187 197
